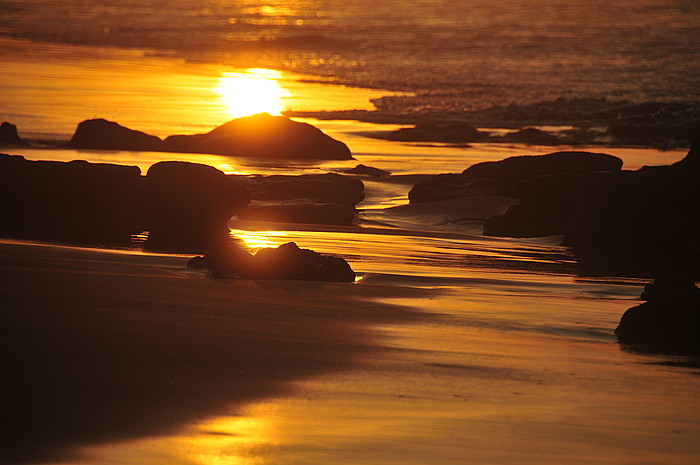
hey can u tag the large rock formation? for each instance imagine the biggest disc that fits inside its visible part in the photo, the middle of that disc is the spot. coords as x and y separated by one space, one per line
77 202
263 136
647 220
188 206
499 176
286 262
108 135
669 320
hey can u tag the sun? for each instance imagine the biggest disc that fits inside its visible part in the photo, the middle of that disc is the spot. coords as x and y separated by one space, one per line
252 91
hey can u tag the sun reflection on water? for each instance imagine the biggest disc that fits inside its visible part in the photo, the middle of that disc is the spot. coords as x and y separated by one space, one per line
227 440
255 90
256 240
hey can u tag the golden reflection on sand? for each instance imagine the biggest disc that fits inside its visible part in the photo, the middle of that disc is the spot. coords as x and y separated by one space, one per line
255 240
252 91
227 441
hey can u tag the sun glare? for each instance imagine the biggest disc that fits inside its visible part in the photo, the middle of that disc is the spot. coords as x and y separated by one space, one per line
255 90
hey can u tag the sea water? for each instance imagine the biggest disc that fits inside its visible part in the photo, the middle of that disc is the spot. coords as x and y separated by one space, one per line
455 54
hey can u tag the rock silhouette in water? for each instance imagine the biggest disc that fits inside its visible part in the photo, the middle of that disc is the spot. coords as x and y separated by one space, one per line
108 135
229 259
10 136
76 202
258 136
669 319
262 136
189 205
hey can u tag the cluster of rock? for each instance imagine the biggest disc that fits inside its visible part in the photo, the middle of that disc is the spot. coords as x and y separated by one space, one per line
184 206
312 198
228 259
258 136
669 320
590 121
645 221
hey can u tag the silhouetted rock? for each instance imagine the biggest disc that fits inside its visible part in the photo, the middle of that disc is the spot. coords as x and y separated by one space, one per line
76 202
189 205
103 134
646 220
448 132
669 320
545 204
514 169
531 136
367 171
262 136
309 213
498 177
229 259
9 135
322 188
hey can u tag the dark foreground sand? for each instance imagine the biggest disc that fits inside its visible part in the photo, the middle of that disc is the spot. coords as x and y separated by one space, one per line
100 346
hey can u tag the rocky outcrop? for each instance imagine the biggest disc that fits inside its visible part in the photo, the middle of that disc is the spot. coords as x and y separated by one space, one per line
312 198
10 136
108 135
669 320
499 177
263 136
511 170
286 262
75 202
647 219
188 206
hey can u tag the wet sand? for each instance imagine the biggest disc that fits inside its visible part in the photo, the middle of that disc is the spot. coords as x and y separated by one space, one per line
102 345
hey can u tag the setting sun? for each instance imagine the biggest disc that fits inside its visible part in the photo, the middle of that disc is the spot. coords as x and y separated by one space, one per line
253 91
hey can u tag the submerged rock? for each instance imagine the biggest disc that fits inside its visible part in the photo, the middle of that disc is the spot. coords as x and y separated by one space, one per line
669 320
103 134
10 136
262 136
286 262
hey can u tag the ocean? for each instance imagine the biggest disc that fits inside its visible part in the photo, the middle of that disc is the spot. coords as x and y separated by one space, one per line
450 55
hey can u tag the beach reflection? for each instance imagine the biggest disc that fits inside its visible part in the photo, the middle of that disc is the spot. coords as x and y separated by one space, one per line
252 91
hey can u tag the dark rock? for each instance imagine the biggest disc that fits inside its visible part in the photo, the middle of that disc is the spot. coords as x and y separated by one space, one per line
532 136
9 135
546 202
189 205
448 132
367 171
320 188
511 170
76 202
309 213
498 177
670 319
448 186
229 259
262 136
646 220
103 134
